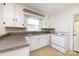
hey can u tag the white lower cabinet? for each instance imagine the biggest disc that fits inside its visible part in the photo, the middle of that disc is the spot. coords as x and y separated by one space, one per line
44 40
34 43
32 40
18 52
59 42
38 41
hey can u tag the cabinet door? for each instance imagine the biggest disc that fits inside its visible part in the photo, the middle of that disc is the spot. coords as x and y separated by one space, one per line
46 39
43 23
19 16
46 23
2 29
58 40
9 14
43 40
34 43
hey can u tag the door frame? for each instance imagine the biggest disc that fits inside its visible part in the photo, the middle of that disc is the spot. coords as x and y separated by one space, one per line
73 30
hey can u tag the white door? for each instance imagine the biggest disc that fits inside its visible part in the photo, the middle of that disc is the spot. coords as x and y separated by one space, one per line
19 16
9 14
76 42
76 33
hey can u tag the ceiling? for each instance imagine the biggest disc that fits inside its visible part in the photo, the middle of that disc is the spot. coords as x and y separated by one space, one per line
51 8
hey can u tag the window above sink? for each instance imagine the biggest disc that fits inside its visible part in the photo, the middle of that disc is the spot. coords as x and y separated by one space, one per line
33 23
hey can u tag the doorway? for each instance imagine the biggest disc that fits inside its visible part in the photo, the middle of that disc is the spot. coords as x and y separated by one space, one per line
76 34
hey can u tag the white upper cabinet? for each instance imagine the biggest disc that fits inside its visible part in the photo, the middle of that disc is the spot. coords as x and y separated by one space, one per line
2 29
46 23
43 23
19 16
9 14
13 15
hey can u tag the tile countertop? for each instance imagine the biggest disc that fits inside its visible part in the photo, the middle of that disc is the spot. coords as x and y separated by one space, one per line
2 35
11 43
26 33
32 33
15 40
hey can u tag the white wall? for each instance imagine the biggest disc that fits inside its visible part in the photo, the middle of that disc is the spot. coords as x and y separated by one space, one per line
64 22
2 29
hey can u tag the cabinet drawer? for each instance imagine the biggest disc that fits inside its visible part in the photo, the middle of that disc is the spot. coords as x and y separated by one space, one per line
58 40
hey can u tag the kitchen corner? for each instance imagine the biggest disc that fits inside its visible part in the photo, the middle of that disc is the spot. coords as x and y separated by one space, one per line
15 41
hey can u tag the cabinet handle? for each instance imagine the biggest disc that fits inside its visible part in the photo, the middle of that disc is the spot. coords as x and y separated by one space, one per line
16 19
74 34
13 19
3 3
3 22
23 24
